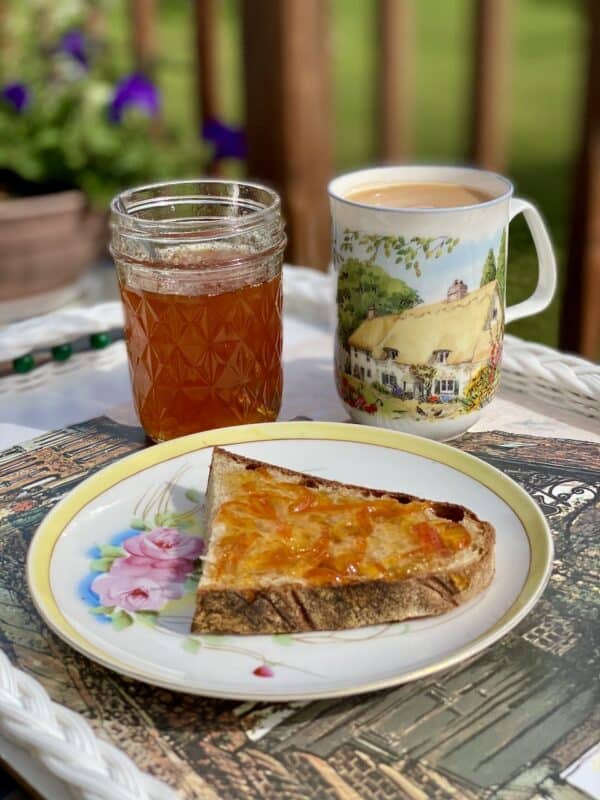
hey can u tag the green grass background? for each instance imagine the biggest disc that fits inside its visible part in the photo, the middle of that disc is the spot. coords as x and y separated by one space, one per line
546 84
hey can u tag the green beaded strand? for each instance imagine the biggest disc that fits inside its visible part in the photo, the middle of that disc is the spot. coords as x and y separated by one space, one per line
99 340
24 364
62 352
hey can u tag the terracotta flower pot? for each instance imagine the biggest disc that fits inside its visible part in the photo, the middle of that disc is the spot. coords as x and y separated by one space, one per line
46 245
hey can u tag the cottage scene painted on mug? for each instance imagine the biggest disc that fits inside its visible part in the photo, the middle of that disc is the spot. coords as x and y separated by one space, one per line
420 323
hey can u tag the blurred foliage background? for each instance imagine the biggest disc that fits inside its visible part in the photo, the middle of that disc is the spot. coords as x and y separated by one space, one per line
545 97
547 73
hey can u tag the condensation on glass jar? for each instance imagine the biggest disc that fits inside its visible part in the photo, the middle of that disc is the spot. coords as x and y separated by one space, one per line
199 267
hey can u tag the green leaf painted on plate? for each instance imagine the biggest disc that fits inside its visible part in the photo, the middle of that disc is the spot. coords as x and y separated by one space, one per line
283 639
138 524
147 617
106 610
214 640
121 620
190 583
110 551
191 645
194 496
166 519
101 564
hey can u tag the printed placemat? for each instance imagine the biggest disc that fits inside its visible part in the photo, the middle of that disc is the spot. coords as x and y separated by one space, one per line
520 721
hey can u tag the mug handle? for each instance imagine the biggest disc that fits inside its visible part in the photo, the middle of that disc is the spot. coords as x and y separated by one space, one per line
546 286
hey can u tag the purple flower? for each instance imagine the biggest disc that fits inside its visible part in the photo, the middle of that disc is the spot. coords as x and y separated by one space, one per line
228 142
134 91
17 95
74 44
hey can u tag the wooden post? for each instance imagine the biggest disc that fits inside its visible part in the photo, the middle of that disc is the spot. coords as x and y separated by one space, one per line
396 80
143 32
8 52
207 67
95 22
288 115
580 316
206 32
492 51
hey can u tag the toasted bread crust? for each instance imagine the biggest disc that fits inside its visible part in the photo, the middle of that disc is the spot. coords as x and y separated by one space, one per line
288 608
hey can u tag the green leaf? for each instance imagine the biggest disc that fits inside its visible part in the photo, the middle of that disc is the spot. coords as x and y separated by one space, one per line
283 639
214 640
194 496
106 610
121 620
110 551
101 564
190 583
147 617
166 519
139 525
191 645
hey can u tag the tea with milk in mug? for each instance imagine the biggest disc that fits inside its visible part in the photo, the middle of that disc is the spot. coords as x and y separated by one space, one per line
419 195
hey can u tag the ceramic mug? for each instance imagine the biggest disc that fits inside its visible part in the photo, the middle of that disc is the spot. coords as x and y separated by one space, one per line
421 299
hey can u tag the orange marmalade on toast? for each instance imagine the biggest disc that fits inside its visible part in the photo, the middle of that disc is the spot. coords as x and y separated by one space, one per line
272 530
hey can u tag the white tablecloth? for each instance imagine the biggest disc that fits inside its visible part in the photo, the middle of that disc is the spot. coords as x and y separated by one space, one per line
308 391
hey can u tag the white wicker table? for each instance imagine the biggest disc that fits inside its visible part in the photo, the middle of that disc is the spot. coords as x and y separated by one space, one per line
543 393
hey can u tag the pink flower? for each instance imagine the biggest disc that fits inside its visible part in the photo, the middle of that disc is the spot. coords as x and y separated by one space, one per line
164 543
174 571
137 594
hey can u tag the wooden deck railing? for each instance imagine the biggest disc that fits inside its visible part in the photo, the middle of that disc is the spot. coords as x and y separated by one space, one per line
580 318
144 41
289 123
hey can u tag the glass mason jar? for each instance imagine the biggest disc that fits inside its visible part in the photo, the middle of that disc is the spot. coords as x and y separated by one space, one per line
199 267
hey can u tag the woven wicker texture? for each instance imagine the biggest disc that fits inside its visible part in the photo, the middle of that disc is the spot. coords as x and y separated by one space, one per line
67 746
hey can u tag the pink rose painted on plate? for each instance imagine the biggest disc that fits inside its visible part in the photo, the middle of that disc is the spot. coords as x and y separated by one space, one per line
133 593
164 543
143 572
163 571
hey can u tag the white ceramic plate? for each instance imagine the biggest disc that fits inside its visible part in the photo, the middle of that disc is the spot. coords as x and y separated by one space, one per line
135 619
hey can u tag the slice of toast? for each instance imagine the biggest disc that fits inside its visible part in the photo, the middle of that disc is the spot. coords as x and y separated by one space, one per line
291 552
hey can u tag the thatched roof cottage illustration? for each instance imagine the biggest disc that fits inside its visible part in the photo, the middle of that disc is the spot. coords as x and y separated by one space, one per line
454 337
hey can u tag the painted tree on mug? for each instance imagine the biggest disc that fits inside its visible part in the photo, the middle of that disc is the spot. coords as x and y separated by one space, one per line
489 269
362 285
408 252
501 265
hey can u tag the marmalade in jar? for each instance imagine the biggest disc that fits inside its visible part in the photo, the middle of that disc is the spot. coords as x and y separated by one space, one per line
204 361
199 266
